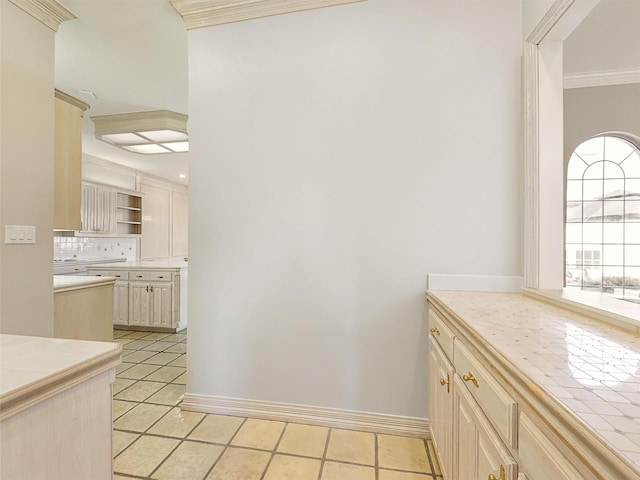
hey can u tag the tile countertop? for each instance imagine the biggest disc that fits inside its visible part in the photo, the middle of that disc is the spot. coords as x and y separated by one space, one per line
143 265
589 368
65 283
35 368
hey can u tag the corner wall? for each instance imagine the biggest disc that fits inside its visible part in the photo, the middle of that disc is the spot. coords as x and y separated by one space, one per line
337 157
26 171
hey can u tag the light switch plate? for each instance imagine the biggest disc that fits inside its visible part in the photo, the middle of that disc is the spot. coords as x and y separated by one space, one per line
19 234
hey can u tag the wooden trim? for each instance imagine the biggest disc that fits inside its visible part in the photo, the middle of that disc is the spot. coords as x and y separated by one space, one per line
22 398
208 13
49 12
76 102
551 18
531 173
98 282
140 122
601 79
327 417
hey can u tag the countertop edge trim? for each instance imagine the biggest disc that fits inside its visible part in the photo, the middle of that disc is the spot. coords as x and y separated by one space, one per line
104 281
24 397
540 402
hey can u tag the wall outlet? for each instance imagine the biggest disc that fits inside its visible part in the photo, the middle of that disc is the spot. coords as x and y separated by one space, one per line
19 234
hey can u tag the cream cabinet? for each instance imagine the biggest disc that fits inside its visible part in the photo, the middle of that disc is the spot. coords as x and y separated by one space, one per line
477 448
468 446
67 171
489 416
165 220
441 407
151 304
108 211
152 298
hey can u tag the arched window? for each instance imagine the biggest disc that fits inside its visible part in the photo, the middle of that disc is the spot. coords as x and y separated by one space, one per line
602 236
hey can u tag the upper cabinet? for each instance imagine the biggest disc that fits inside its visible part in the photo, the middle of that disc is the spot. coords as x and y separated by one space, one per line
68 161
108 211
165 220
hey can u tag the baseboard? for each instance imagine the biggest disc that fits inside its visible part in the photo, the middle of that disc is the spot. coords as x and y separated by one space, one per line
477 283
326 417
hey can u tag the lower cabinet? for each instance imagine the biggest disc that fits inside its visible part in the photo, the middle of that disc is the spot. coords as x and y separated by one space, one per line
479 452
486 423
148 298
121 302
150 304
441 407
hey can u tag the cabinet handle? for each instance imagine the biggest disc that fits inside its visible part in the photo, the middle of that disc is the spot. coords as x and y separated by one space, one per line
147 289
444 382
160 276
470 378
152 288
138 276
502 474
435 330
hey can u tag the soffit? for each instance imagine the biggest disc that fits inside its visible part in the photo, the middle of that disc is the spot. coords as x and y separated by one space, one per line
207 13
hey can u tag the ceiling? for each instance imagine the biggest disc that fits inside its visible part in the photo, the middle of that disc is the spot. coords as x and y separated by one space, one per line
132 54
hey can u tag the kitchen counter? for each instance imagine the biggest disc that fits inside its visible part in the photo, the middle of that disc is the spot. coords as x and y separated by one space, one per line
584 371
144 265
63 283
83 307
55 407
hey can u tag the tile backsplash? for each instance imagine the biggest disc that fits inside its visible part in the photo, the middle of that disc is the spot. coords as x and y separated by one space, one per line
93 248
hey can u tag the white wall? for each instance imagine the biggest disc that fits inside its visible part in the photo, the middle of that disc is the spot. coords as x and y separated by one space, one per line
26 171
337 157
594 110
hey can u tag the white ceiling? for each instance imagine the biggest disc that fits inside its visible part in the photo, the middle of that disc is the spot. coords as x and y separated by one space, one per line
133 55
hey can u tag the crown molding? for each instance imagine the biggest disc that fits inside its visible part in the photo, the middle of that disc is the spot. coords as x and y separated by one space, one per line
601 79
49 12
208 13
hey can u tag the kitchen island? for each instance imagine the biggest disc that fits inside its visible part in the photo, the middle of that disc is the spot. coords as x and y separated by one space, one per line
148 294
522 389
83 307
55 408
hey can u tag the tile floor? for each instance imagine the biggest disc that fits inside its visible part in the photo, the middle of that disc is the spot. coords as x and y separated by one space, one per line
154 439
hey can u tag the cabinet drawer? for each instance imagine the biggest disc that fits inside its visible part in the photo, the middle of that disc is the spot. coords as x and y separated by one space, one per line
119 274
494 400
151 275
441 333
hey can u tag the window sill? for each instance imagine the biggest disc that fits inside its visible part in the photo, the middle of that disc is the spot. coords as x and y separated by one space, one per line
602 307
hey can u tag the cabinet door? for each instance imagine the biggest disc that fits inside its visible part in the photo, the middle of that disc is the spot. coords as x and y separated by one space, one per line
121 303
155 222
478 448
67 170
162 308
179 224
139 303
441 407
97 209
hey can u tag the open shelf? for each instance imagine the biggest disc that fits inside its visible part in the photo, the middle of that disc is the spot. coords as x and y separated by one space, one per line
128 214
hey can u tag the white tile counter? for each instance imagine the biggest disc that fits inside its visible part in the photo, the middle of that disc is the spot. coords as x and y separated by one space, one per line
55 407
585 370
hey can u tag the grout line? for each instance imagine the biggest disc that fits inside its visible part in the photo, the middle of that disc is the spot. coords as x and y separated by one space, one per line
226 446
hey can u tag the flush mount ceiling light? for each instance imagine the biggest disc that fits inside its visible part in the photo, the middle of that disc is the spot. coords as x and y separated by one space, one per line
157 131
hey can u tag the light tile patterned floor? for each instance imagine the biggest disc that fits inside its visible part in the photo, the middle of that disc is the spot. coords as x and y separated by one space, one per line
154 439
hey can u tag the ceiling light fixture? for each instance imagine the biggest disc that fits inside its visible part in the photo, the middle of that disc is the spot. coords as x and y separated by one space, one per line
148 133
